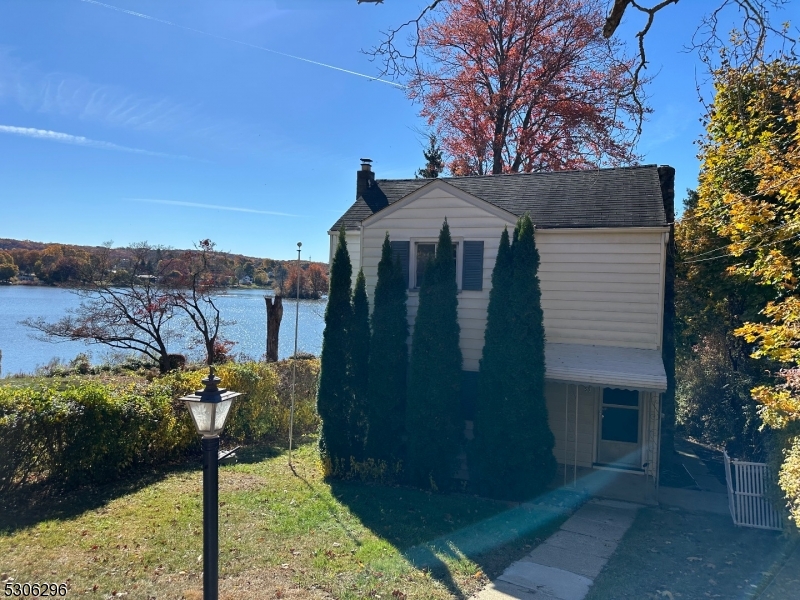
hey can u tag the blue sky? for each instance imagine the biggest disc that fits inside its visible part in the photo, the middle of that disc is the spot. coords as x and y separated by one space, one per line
118 127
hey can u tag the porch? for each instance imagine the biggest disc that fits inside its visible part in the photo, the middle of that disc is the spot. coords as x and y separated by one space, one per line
604 409
612 484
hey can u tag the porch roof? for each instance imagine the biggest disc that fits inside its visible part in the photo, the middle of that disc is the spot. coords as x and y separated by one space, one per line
607 366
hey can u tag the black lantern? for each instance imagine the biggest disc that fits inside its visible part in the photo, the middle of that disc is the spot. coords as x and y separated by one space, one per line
209 408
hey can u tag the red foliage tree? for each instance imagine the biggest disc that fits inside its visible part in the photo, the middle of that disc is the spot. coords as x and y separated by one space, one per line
524 85
313 281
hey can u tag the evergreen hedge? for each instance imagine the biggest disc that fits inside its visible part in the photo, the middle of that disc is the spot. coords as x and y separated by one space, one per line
359 367
83 429
513 446
335 396
388 363
433 417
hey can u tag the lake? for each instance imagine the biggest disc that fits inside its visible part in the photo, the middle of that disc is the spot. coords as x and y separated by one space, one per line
23 352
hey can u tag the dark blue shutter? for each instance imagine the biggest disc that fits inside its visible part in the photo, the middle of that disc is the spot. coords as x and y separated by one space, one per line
472 268
402 250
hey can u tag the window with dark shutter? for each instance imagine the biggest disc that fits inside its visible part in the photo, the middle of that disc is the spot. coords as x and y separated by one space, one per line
402 250
472 267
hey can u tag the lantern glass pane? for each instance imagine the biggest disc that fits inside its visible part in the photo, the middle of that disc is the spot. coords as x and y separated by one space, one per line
202 413
222 414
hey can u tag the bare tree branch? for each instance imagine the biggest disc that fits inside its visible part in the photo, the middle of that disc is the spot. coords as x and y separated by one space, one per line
134 310
400 57
393 58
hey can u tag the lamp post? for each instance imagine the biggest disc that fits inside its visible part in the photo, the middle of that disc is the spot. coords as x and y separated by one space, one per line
209 408
294 361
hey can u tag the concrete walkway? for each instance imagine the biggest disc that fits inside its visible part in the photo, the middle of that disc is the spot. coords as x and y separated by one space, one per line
711 495
566 564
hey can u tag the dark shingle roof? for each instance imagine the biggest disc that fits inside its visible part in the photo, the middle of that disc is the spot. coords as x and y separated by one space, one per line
621 197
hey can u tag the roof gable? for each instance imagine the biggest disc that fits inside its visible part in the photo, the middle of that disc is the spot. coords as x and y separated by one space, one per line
432 185
619 197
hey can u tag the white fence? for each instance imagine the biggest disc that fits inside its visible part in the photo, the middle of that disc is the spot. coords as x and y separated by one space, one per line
747 495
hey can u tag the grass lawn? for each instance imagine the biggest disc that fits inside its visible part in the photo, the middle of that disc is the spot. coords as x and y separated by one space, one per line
676 554
282 535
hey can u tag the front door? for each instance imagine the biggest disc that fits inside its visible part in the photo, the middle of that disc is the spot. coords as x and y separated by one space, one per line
619 440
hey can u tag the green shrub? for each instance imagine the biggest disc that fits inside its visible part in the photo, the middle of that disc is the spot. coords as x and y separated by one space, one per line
789 476
713 399
78 431
81 430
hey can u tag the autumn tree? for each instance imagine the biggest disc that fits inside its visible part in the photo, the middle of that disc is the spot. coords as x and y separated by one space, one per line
313 281
288 288
714 370
434 159
193 296
523 85
134 312
433 415
317 280
8 268
59 263
749 196
760 34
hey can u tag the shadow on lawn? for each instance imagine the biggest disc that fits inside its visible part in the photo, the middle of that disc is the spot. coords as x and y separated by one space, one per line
429 529
46 501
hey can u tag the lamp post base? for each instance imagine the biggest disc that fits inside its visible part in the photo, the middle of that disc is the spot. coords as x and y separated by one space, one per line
210 518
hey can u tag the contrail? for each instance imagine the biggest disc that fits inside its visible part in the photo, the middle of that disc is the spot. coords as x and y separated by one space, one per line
78 140
219 37
212 206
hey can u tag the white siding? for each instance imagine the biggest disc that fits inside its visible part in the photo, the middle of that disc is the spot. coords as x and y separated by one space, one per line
422 219
559 394
602 288
599 287
353 247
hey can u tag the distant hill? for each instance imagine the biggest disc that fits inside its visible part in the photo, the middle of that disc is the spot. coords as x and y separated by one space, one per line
61 263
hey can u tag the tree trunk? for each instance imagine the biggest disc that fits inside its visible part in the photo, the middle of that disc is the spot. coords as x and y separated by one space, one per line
274 316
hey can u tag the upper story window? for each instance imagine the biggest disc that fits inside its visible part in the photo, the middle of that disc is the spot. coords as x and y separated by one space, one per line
426 252
467 257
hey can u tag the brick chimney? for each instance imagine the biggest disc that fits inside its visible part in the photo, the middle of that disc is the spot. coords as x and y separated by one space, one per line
365 178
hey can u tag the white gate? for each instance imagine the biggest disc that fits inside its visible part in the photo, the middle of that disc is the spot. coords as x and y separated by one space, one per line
747 495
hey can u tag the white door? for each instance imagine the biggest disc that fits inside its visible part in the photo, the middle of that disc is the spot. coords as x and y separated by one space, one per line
619 439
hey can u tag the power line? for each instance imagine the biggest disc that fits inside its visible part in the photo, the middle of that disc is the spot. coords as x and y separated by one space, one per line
727 245
765 245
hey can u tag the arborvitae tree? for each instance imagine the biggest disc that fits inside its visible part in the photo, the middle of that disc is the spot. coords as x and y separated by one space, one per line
434 161
335 396
359 367
433 415
513 441
388 362
488 449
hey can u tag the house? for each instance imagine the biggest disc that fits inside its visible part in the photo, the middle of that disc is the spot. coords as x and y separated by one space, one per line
602 236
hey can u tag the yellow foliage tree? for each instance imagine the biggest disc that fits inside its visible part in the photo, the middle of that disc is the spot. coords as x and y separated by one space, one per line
749 195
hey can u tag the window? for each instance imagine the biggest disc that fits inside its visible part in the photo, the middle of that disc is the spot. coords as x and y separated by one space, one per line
426 252
620 416
413 255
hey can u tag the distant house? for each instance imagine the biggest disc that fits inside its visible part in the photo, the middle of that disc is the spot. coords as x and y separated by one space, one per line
602 236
